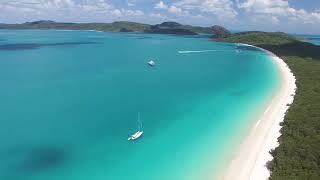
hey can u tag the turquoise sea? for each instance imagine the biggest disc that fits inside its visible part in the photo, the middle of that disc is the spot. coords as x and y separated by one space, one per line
70 100
315 39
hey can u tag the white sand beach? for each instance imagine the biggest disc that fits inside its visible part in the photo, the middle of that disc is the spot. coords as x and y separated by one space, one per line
249 162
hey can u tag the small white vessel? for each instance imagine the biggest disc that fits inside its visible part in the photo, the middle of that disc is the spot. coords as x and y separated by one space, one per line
138 133
135 135
152 63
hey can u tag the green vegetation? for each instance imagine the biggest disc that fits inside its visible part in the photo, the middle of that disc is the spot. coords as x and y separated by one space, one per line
220 32
109 27
298 156
119 26
258 38
170 28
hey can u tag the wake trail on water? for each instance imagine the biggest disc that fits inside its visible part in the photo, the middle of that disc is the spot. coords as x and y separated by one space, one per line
202 51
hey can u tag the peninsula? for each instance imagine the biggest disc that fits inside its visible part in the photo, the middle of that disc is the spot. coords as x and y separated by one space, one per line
297 156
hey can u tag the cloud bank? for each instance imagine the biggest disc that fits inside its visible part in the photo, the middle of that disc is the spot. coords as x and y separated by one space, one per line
269 15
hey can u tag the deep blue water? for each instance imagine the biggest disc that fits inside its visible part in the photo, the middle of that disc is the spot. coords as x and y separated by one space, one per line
70 99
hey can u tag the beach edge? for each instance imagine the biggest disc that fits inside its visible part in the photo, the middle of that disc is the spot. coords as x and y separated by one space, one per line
250 160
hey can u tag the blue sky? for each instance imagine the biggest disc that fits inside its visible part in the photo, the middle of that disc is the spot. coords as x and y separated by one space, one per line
294 16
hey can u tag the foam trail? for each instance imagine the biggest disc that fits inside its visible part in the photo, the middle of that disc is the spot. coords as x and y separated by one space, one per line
200 51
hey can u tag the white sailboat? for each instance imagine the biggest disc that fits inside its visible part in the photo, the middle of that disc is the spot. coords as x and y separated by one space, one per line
139 133
135 136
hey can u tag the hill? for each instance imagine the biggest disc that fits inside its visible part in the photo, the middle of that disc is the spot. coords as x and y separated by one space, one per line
259 38
118 26
170 28
110 27
220 32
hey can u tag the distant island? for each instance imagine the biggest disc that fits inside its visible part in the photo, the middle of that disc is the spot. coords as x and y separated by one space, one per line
175 28
118 26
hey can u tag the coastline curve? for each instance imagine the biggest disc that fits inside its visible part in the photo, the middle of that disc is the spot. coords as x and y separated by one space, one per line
249 162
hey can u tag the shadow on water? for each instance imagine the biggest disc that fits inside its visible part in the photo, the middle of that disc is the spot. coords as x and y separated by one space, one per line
32 46
22 161
42 158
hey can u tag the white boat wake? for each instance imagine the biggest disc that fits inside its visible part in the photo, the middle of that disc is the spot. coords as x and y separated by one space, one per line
200 51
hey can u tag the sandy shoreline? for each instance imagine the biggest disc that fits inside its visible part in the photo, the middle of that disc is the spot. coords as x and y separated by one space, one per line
248 163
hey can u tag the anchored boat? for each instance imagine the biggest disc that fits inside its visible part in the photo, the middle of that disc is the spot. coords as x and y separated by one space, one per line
151 63
135 135
139 133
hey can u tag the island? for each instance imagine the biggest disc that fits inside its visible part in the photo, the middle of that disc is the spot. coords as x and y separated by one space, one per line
170 28
118 26
220 32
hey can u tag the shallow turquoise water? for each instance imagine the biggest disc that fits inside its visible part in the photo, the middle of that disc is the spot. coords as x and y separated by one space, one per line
315 39
70 99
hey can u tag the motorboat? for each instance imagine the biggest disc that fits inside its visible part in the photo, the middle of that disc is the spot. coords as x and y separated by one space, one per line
151 63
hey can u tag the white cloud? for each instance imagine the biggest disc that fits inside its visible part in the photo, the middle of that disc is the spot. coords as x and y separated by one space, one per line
275 19
131 3
116 12
157 15
133 12
126 12
47 6
264 6
279 10
221 8
95 6
161 5
246 14
175 10
171 9
63 10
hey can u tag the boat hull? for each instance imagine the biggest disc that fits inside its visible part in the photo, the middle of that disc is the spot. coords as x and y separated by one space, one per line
135 136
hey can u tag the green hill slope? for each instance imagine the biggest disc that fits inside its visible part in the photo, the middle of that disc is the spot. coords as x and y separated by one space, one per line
258 38
118 26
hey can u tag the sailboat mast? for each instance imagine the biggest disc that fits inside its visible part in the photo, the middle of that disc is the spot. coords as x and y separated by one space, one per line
139 121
